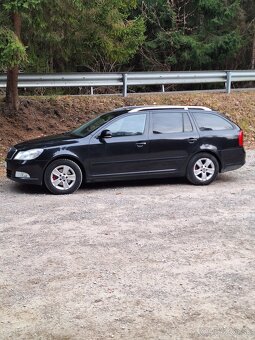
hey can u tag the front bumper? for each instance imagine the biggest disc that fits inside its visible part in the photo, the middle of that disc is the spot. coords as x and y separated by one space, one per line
34 168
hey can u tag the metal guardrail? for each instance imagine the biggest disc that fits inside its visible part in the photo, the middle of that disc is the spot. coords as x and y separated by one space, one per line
130 79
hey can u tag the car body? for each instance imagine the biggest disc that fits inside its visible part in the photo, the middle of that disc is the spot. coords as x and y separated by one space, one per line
132 143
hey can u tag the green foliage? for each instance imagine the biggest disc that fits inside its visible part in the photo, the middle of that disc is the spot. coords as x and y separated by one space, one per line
50 32
19 5
96 35
116 37
191 34
110 35
121 42
12 51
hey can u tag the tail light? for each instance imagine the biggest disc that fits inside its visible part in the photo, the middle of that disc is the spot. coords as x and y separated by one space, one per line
240 138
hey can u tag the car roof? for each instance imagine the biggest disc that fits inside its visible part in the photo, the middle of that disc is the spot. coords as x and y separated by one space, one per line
162 107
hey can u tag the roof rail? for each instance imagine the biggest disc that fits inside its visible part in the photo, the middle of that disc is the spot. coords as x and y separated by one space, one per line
141 108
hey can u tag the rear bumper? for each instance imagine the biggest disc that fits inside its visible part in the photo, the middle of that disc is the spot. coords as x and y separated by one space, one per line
232 159
34 168
231 167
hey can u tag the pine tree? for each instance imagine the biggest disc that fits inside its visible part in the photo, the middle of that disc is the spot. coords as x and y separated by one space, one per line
191 34
12 46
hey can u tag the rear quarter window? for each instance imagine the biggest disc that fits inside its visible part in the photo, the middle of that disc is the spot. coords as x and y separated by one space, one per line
211 122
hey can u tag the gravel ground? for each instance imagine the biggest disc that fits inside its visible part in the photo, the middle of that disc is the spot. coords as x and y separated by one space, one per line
149 260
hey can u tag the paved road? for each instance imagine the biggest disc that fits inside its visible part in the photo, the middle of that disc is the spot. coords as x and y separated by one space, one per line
150 260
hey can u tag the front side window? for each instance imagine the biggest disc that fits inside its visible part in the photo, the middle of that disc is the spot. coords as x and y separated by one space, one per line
94 124
133 125
211 122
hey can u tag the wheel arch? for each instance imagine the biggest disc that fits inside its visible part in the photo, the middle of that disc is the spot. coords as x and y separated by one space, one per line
71 158
210 152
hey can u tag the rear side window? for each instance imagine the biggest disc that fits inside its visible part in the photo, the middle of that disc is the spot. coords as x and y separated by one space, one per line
170 122
211 122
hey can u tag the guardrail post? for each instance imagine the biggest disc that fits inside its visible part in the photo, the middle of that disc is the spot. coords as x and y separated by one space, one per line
228 83
125 87
163 88
91 90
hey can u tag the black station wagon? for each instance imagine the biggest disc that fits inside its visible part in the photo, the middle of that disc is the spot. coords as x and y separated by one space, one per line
132 143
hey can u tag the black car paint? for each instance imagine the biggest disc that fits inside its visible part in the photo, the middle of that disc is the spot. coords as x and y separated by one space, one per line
147 156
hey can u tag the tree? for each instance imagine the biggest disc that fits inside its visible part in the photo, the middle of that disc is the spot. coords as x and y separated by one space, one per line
62 34
190 34
115 37
248 7
12 51
98 35
11 44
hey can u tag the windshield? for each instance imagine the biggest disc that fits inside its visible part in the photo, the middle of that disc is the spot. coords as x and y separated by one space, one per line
94 124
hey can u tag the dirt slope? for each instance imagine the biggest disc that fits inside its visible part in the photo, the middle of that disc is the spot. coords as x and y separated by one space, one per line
40 116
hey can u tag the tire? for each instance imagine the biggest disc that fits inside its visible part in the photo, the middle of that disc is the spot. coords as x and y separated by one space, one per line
63 177
202 169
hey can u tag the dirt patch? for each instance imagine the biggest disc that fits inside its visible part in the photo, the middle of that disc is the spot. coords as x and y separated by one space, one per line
40 116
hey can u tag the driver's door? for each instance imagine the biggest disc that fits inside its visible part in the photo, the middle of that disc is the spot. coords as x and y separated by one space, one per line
125 152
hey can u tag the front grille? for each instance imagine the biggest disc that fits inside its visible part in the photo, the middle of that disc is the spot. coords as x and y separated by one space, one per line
8 173
11 153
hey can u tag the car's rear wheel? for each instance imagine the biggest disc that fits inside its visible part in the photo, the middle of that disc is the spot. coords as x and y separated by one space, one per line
202 169
63 176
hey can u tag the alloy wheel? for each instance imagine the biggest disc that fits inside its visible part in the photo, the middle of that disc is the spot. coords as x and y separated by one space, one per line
63 177
204 169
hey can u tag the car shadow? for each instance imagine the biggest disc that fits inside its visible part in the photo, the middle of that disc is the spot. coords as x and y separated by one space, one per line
27 189
41 190
134 183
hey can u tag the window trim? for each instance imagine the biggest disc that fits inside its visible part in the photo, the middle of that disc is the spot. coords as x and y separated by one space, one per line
190 120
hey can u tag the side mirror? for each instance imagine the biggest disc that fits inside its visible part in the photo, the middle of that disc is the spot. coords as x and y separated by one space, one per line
105 134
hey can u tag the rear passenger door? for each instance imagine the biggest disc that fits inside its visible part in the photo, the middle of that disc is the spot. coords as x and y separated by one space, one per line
173 138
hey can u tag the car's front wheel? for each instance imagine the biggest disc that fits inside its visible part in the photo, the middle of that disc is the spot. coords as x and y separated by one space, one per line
202 169
63 176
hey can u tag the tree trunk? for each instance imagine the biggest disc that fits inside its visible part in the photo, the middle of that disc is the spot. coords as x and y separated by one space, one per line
12 95
253 52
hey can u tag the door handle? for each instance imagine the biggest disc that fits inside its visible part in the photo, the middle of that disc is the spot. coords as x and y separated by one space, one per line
192 140
140 144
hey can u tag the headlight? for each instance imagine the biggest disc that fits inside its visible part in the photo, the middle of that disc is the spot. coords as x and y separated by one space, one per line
28 155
